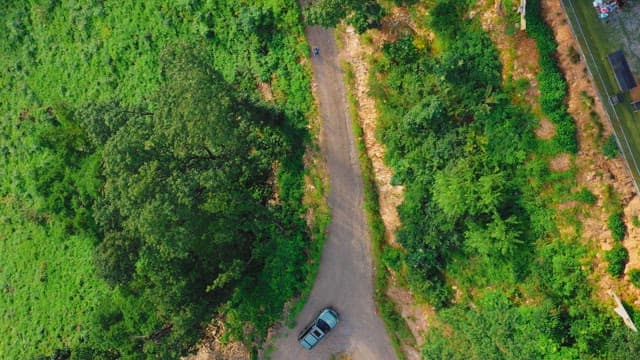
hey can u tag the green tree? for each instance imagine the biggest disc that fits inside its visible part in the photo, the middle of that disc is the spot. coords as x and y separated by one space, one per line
361 14
184 209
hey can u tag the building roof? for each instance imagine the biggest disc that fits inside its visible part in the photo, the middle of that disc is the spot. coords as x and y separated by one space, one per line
625 78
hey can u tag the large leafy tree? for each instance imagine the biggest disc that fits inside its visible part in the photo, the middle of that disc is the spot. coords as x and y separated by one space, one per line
184 202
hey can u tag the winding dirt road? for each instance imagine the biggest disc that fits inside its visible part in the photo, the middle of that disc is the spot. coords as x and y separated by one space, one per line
345 277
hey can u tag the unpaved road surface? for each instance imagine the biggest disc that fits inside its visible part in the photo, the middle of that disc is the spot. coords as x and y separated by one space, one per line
345 277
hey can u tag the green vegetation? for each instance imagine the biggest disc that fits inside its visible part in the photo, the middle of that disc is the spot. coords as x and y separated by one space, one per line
617 258
479 209
553 88
586 196
139 166
616 226
634 275
362 14
610 148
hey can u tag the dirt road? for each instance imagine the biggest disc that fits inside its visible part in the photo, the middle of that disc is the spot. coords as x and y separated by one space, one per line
345 278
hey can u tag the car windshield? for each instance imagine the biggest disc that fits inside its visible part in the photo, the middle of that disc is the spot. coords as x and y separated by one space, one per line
323 326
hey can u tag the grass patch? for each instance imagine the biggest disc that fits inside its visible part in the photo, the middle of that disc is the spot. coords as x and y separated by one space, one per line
44 269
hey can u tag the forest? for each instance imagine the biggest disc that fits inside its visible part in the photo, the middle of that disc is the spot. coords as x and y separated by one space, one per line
152 178
147 185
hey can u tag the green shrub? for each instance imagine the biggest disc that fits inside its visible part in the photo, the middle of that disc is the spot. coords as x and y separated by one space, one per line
610 148
392 257
586 196
635 221
634 275
617 258
616 225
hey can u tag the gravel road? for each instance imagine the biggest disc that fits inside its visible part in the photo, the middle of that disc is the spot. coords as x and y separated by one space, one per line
345 277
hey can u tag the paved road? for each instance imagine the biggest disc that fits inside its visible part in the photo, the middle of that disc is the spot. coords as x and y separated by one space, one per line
345 277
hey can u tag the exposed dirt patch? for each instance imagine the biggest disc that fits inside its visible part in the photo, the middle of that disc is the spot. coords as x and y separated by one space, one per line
211 348
561 162
519 57
341 356
390 196
545 130
595 172
265 90
415 315
396 25
518 53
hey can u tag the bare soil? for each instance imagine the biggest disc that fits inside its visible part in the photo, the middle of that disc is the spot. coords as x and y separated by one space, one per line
390 196
211 348
560 163
546 129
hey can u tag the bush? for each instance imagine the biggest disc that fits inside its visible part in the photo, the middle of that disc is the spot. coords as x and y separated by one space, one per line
586 196
617 226
634 275
401 51
617 258
392 257
610 148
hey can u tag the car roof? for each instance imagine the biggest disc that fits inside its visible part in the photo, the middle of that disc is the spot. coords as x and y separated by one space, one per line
329 316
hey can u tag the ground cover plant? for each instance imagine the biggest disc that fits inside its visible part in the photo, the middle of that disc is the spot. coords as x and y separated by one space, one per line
478 210
139 165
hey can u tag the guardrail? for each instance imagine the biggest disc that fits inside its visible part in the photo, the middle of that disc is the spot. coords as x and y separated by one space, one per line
618 130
